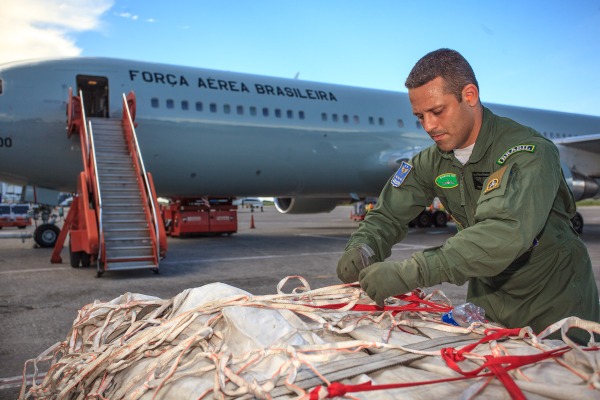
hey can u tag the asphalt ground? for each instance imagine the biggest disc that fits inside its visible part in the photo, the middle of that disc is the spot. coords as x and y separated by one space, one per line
40 300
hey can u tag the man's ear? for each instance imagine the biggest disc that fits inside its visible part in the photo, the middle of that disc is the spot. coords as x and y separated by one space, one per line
470 94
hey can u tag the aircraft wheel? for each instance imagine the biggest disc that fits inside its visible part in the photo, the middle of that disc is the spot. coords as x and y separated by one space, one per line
46 235
577 222
439 219
424 220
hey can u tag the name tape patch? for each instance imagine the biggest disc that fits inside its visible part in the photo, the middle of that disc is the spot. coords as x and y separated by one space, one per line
401 174
522 147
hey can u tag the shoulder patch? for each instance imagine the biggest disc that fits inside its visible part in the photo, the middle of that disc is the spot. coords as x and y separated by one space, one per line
521 147
495 179
401 174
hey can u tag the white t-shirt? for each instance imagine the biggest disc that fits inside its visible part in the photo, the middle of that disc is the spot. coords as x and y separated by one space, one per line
463 154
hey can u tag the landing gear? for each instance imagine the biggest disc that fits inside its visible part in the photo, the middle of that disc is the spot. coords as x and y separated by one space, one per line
45 235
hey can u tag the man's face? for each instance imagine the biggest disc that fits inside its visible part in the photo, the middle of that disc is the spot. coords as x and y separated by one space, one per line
450 123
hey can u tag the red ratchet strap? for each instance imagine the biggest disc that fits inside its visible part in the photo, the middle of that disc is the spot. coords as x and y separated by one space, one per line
415 303
498 366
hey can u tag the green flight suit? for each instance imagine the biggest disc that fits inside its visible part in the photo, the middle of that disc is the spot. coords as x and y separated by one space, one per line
525 264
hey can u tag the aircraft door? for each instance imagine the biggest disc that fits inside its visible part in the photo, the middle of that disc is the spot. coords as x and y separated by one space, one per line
95 95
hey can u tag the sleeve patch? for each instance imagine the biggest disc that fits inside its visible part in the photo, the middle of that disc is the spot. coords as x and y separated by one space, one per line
522 147
495 180
401 174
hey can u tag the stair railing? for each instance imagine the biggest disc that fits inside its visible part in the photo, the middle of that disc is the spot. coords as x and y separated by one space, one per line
91 170
148 192
98 195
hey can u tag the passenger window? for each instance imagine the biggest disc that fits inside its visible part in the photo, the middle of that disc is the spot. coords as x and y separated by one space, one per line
418 124
1 87
277 113
199 106
324 117
356 120
334 117
185 105
154 102
253 111
345 118
301 114
265 112
371 121
381 121
290 114
227 109
240 110
400 123
170 103
213 107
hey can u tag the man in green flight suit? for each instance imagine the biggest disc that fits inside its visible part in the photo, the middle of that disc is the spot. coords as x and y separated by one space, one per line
503 185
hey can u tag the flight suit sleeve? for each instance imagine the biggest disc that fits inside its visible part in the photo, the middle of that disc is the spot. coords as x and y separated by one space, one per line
512 210
387 223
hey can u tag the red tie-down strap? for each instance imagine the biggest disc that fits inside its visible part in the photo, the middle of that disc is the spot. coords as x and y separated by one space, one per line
415 301
498 367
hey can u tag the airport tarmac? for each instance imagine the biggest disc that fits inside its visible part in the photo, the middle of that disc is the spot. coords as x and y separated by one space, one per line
40 300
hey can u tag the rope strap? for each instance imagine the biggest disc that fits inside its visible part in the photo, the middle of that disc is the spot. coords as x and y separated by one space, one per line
498 367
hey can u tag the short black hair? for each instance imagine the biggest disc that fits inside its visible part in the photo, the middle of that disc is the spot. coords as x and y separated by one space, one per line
447 64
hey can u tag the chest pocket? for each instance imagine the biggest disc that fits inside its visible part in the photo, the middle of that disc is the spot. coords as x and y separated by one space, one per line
496 184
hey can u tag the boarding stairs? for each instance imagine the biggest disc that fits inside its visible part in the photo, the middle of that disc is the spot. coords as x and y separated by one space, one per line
115 218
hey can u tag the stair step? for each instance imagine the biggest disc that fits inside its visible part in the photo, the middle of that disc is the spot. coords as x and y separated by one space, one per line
129 254
130 234
129 265
137 241
109 205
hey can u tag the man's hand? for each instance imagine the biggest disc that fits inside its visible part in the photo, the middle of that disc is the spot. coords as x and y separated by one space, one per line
384 279
353 261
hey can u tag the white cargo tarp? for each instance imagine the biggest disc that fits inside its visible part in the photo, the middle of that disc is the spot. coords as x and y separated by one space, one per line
217 341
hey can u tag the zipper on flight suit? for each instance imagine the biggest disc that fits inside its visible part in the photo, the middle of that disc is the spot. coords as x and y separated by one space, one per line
463 196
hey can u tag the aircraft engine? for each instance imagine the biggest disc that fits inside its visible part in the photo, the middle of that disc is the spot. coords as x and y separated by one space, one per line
583 187
293 205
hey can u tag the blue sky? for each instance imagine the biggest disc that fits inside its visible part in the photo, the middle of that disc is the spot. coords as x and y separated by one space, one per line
542 54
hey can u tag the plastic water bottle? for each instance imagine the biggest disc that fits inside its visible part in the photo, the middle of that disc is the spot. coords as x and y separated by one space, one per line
464 315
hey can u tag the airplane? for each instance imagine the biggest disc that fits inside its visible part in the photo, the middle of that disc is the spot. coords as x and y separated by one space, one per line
206 132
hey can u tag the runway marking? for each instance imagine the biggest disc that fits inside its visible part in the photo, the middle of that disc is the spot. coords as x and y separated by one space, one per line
398 247
323 237
18 271
404 245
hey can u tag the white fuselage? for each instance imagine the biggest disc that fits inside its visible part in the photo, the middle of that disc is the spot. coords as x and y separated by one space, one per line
207 132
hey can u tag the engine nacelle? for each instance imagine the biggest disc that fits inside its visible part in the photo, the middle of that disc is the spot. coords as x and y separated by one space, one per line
583 187
293 205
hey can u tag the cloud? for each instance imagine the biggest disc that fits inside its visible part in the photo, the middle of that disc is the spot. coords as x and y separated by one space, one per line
45 28
127 16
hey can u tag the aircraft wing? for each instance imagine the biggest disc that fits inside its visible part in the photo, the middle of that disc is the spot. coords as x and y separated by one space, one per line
589 143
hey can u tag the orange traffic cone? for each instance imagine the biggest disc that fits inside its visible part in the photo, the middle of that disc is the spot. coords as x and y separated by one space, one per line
252 222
